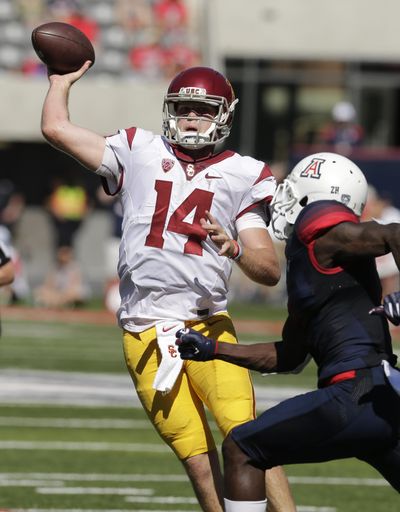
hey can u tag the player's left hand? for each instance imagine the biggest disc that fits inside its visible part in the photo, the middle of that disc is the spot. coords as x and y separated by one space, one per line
390 308
193 345
218 235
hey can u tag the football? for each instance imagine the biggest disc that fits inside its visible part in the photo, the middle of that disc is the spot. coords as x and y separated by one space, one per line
62 47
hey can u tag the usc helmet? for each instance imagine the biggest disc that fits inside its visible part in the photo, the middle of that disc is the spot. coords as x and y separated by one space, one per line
317 177
199 85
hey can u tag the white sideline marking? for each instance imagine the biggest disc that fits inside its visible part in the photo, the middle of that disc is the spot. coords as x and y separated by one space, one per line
315 509
124 491
57 479
97 477
299 509
20 421
35 387
170 500
319 480
28 483
87 510
71 446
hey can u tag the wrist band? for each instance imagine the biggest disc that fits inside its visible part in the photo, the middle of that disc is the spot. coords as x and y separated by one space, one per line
238 251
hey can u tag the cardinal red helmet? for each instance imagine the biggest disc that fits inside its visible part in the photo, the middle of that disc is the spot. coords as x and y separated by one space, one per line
199 85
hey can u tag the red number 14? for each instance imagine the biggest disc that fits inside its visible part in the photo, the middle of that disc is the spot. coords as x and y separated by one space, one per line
199 200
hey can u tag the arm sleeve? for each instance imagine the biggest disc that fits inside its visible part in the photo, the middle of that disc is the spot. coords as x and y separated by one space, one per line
109 168
117 156
320 216
260 192
256 218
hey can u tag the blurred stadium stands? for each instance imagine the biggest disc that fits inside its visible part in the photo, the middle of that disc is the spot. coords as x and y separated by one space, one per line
145 37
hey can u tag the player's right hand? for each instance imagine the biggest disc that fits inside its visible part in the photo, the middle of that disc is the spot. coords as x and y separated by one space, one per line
69 78
390 308
193 345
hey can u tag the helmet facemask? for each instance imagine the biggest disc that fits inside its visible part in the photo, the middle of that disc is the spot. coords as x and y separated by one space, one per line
220 123
285 207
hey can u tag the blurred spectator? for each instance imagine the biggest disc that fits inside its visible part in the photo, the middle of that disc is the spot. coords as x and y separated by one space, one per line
112 297
179 57
153 36
380 208
342 133
133 16
32 12
6 268
6 265
68 206
60 10
84 23
63 286
12 204
32 66
148 60
18 290
170 15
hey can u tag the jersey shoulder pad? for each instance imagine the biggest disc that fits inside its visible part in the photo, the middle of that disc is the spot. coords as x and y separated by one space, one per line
317 217
132 136
255 170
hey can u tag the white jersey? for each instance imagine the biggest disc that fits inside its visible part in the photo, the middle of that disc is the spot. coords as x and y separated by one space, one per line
169 269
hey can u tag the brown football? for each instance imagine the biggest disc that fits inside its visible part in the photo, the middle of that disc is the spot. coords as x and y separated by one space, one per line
62 47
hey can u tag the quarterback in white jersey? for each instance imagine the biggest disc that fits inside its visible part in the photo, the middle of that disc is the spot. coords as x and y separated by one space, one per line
185 205
169 268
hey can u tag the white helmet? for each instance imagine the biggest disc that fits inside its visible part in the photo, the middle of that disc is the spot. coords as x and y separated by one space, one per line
316 177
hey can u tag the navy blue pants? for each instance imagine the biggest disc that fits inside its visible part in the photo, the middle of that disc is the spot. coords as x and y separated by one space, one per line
358 418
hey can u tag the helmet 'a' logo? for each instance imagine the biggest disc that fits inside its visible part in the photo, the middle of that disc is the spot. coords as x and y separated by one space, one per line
313 169
192 91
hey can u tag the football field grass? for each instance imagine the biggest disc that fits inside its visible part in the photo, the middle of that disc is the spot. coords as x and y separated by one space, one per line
74 438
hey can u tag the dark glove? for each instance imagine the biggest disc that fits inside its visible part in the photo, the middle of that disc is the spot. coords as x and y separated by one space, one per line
390 308
193 345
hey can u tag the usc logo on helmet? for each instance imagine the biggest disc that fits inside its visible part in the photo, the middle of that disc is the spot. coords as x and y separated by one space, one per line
192 91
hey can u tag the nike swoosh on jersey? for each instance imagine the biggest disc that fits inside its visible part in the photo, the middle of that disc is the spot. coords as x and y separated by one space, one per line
210 177
166 329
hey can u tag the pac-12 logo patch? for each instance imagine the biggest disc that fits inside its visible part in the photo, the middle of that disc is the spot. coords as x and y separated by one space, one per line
313 169
167 164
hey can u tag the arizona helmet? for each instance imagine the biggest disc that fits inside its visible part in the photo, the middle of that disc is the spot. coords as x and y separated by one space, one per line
317 177
199 85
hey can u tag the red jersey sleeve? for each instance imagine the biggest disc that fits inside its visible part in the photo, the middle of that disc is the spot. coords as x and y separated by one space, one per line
320 216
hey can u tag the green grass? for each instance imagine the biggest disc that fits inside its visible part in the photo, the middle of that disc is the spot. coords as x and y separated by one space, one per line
128 453
64 347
